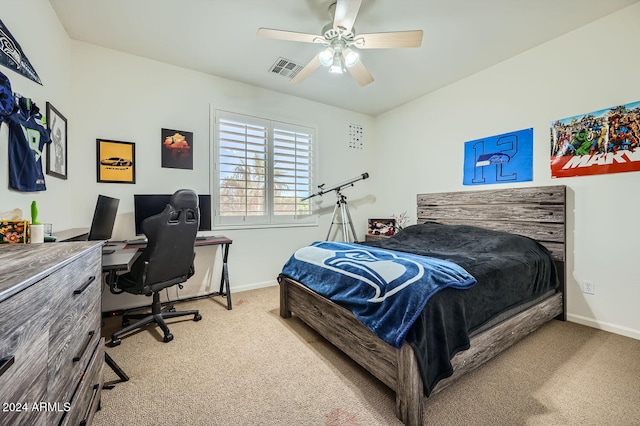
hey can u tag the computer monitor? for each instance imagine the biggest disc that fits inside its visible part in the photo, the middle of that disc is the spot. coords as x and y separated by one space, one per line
145 205
104 218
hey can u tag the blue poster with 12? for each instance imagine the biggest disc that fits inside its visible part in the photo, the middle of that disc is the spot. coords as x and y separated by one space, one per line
503 158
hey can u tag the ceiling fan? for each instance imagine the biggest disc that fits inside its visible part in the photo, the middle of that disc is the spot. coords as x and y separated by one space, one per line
339 39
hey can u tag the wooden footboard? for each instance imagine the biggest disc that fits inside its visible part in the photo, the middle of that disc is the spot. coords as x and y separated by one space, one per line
535 212
398 368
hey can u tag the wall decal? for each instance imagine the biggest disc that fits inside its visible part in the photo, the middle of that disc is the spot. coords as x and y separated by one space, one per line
356 136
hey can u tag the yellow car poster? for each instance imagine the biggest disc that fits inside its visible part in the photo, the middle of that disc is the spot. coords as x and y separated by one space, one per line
116 161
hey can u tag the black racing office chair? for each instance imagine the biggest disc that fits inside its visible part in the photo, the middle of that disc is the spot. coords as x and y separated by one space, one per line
167 261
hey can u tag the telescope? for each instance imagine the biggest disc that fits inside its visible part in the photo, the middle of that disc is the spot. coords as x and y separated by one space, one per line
341 208
337 187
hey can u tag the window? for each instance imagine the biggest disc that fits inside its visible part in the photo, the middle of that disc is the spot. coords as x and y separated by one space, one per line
263 170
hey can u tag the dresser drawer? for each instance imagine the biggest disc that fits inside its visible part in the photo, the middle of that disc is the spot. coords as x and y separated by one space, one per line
23 350
75 323
86 400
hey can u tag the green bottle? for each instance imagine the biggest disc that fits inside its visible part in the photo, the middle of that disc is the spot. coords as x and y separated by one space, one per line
34 213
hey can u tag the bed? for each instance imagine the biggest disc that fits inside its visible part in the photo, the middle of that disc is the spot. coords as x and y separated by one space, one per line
534 212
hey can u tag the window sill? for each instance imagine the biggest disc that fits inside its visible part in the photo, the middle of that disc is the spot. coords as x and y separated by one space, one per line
263 226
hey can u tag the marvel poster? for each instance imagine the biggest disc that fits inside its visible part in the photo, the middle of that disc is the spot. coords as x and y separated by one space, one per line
604 141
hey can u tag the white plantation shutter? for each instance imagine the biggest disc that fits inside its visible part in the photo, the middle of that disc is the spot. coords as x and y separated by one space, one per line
263 170
291 171
242 170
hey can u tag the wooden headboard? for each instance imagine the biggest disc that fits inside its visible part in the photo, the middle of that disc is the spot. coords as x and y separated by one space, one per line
535 212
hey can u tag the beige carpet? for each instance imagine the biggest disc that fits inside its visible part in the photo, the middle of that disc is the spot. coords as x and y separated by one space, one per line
248 366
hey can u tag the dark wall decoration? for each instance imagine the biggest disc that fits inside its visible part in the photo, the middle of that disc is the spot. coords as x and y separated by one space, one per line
177 149
57 150
12 56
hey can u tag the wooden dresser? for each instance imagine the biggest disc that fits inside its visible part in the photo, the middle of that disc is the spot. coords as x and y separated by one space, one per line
51 350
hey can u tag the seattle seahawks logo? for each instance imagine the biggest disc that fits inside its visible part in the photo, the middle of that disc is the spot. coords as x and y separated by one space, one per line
384 271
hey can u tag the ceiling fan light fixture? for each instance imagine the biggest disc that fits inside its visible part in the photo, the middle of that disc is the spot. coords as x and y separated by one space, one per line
337 67
350 57
326 56
338 37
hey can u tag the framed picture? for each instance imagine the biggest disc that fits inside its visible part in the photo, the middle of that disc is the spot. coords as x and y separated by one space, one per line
177 149
382 227
116 161
57 149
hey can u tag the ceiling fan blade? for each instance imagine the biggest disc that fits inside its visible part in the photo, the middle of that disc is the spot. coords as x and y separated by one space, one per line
308 69
345 13
288 35
389 40
361 74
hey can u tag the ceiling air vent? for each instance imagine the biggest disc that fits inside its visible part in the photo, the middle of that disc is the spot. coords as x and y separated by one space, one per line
285 68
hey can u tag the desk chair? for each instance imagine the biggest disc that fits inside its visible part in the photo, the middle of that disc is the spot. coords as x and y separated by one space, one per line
167 261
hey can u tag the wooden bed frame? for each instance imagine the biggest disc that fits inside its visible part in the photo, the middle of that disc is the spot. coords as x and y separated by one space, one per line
536 212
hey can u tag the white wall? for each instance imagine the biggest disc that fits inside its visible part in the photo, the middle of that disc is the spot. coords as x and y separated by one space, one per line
123 97
36 28
117 96
586 70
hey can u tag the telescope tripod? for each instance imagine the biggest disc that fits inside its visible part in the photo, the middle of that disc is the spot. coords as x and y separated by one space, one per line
345 216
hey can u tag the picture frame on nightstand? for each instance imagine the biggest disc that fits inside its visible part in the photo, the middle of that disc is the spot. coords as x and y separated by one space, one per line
381 227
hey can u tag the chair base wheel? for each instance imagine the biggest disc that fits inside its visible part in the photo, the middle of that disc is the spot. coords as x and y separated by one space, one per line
168 338
115 342
197 317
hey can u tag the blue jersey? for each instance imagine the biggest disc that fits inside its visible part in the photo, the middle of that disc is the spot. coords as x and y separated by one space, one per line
28 136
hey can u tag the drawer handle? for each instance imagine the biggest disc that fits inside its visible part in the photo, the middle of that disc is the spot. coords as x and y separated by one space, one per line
84 287
96 387
84 348
6 362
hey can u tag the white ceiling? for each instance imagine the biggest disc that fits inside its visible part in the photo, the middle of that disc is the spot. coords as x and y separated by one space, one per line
218 37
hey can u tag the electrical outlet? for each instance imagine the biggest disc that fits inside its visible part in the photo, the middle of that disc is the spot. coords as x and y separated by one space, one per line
588 287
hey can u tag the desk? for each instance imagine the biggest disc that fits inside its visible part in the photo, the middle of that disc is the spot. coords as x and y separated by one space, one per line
73 234
118 261
122 258
219 240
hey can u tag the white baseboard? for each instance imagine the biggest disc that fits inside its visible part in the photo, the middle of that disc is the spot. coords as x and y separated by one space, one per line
129 301
612 328
253 286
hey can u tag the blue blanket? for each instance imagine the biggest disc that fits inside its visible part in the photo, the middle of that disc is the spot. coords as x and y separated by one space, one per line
386 290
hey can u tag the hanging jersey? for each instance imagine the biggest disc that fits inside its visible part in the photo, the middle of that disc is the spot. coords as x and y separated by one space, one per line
28 136
6 96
